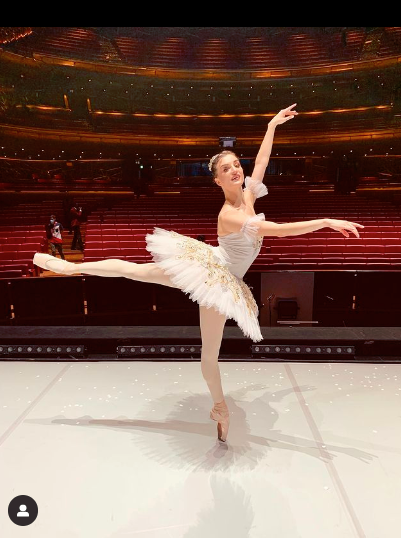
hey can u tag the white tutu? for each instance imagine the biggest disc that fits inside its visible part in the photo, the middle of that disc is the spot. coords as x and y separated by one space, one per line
194 267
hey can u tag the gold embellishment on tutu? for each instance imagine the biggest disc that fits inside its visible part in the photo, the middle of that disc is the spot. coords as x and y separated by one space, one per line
249 298
218 273
258 242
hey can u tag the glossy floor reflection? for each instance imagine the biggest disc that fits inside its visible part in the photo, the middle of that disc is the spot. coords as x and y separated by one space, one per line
127 449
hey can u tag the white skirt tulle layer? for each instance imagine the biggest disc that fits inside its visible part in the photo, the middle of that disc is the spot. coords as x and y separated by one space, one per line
194 267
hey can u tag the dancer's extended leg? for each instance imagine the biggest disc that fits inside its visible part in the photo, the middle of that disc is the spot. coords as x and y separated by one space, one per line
144 272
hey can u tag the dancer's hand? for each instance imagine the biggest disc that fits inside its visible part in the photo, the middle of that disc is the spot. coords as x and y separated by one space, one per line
344 225
284 115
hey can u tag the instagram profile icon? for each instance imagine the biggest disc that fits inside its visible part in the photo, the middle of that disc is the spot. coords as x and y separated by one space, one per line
23 510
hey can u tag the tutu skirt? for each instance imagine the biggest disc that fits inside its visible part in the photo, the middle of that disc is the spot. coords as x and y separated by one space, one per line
196 269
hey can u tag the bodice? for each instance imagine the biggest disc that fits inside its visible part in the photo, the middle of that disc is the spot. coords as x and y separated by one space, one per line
238 250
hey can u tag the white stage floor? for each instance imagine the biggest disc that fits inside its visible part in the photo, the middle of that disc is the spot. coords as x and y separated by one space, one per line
127 449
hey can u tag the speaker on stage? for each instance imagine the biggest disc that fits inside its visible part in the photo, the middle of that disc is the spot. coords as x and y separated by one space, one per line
287 308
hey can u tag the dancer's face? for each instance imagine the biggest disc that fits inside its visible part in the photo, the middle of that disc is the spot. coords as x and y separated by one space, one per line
229 172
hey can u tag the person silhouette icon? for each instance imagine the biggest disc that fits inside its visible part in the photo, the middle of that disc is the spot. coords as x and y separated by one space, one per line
22 512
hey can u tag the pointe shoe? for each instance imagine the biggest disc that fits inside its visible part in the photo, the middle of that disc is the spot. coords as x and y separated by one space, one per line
50 263
221 414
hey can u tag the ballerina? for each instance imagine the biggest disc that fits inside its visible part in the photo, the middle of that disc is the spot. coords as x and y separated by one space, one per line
213 276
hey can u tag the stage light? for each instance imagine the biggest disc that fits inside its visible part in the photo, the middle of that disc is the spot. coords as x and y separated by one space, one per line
160 351
299 350
50 350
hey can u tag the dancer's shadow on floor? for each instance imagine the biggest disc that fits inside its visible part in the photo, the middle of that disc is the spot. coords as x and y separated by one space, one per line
188 435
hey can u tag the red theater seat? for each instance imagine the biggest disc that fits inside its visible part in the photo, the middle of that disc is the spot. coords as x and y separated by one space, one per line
11 274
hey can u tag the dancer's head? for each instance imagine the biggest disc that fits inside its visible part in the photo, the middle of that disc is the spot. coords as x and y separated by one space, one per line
226 169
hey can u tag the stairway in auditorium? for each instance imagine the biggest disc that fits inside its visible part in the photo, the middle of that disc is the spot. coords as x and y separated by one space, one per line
75 256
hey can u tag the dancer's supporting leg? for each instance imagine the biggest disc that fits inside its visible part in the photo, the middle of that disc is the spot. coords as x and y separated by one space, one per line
211 326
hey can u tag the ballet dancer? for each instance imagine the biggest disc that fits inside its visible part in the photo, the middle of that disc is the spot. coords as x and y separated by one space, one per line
213 276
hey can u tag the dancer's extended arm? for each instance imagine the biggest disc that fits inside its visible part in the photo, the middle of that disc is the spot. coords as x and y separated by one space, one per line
263 156
234 222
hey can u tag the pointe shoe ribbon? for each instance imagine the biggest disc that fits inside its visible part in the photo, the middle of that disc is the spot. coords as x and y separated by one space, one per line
221 414
44 260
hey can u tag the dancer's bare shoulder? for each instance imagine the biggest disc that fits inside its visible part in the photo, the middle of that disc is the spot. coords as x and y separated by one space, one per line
245 208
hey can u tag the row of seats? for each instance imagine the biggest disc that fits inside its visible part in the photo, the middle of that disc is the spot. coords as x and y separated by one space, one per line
266 264
310 239
137 234
149 221
134 220
13 273
383 265
15 270
210 52
287 211
346 248
22 257
18 245
62 185
12 247
70 42
257 52
15 228
12 237
347 245
129 254
122 247
126 228
390 42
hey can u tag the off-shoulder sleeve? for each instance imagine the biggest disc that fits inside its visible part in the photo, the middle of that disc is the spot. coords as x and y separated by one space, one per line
257 187
249 229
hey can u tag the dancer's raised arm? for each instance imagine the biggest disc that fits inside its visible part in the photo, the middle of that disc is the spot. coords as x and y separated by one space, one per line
263 156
